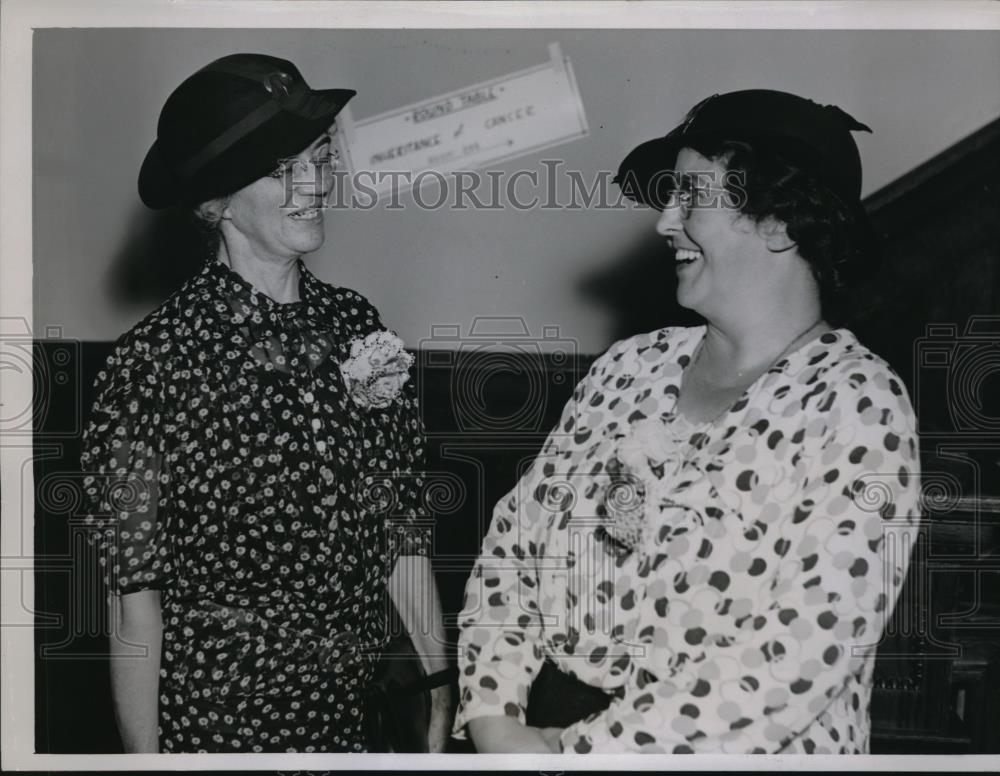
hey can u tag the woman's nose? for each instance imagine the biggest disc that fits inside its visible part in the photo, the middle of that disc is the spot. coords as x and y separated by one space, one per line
669 221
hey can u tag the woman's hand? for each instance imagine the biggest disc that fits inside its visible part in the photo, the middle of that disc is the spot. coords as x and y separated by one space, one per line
553 737
440 723
409 583
506 735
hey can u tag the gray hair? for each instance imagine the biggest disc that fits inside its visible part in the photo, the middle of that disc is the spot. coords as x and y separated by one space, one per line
207 217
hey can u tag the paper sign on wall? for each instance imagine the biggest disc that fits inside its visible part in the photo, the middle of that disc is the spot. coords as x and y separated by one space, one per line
482 124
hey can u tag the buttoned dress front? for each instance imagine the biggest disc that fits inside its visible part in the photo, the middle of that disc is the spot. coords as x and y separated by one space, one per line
739 607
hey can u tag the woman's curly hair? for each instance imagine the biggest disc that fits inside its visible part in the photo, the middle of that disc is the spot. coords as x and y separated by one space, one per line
834 237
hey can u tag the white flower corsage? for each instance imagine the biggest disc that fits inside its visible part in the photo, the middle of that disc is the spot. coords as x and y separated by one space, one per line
376 370
647 446
648 461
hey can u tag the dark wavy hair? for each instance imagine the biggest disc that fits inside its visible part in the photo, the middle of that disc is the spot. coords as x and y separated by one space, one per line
834 237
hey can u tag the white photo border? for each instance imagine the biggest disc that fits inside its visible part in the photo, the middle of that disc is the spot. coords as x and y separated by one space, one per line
21 17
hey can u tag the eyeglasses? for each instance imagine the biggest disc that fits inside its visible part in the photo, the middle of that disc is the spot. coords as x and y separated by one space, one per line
331 158
686 192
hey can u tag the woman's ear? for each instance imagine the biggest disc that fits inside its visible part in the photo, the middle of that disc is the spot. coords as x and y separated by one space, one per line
776 237
213 211
222 208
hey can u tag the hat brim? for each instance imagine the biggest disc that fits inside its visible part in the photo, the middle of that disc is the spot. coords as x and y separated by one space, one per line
249 158
647 164
158 186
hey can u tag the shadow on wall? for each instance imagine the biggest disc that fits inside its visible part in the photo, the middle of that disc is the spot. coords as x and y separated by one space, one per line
640 290
162 250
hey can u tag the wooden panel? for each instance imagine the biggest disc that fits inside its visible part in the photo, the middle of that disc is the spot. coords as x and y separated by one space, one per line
932 312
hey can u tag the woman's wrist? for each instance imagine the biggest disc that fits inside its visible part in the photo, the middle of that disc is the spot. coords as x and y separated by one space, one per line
501 734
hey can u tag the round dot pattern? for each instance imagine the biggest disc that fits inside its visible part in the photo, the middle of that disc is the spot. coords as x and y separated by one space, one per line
742 612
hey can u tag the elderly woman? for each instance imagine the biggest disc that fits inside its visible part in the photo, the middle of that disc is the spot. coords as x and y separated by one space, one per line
706 551
254 456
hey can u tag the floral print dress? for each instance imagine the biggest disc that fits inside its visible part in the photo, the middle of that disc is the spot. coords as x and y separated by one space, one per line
727 582
230 468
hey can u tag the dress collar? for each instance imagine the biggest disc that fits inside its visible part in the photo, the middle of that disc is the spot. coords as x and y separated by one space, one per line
240 302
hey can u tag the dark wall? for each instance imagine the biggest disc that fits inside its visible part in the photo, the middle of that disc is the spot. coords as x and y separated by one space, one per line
933 310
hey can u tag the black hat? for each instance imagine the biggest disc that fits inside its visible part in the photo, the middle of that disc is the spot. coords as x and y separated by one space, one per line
818 137
231 123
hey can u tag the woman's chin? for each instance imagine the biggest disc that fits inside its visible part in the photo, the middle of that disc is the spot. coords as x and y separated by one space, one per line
687 298
309 237
315 244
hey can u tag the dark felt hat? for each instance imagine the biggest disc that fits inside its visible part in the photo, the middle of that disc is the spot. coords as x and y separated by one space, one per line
231 123
817 137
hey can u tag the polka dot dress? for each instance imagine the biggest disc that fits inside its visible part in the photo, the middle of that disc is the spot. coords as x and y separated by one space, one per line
726 582
230 469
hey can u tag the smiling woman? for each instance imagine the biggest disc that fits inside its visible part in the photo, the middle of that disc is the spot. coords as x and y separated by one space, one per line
279 217
231 467
698 537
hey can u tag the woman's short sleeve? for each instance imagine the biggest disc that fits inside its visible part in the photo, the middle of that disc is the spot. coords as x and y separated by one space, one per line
124 476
